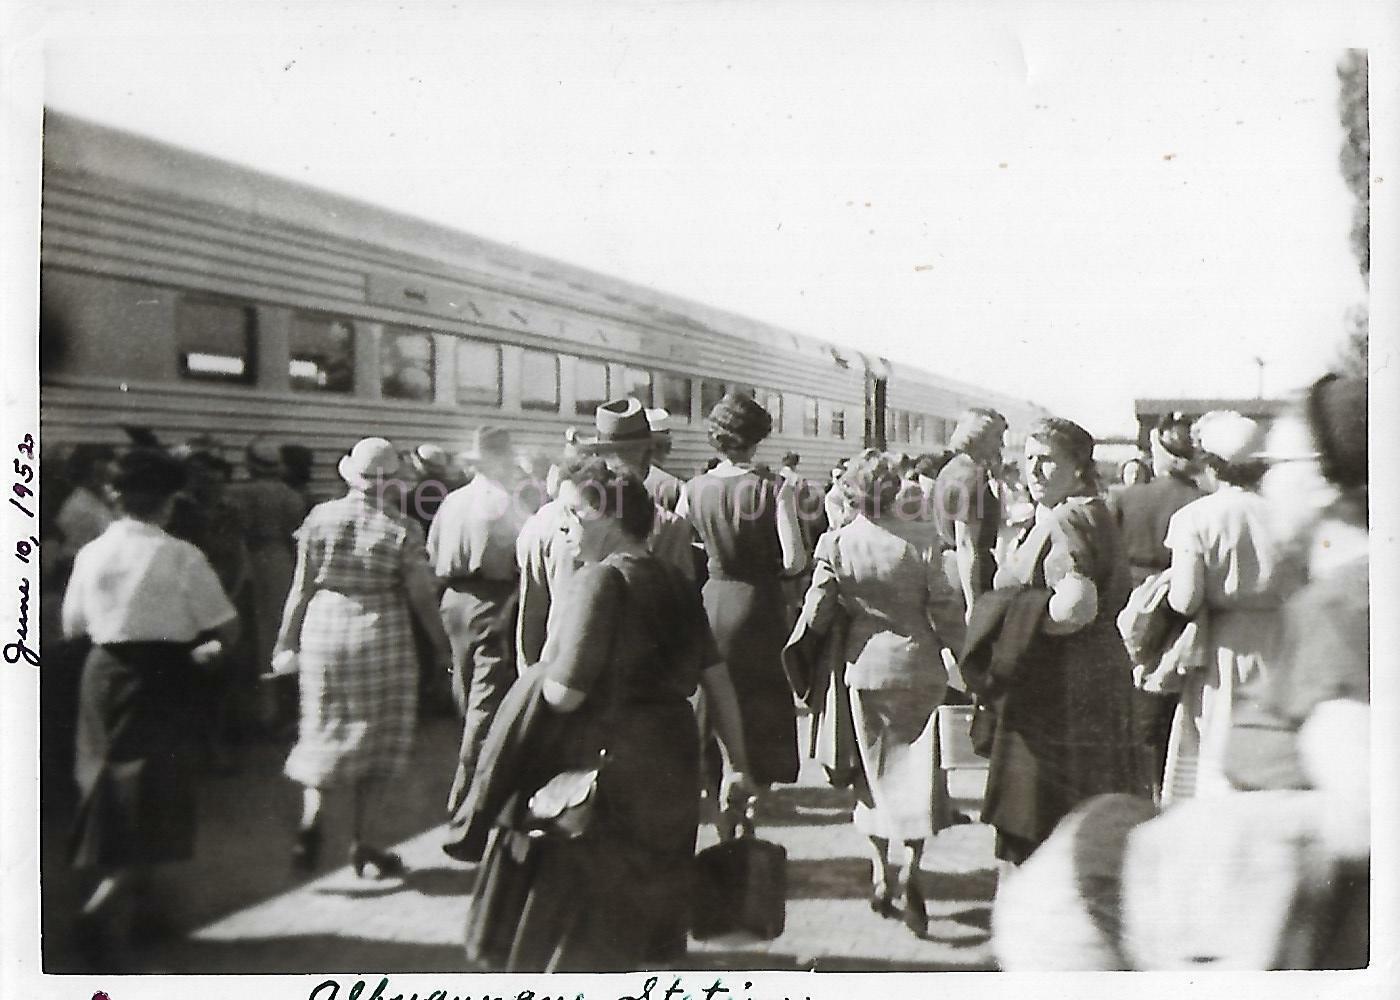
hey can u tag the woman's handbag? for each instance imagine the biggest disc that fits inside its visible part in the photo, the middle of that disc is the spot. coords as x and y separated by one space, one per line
740 887
562 808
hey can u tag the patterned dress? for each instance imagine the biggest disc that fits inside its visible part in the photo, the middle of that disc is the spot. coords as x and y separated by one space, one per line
358 667
1072 725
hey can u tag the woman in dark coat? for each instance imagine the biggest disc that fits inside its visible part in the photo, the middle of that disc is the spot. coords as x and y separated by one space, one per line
753 538
155 613
1066 728
631 645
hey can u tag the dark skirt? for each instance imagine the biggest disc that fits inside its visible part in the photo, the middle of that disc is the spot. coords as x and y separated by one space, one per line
135 766
1064 735
616 898
751 624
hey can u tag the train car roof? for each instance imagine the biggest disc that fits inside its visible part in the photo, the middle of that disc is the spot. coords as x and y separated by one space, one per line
84 147
76 145
969 394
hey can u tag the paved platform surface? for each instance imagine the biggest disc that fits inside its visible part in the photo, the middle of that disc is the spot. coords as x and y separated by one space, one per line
237 907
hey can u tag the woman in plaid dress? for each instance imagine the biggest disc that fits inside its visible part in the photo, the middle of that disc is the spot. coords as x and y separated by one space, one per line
361 571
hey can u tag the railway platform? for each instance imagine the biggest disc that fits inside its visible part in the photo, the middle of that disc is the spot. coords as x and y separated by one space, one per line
236 908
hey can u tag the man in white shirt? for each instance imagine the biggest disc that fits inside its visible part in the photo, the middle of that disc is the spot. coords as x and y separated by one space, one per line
471 550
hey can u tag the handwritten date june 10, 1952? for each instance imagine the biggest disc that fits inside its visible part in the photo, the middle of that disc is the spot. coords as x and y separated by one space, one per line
25 549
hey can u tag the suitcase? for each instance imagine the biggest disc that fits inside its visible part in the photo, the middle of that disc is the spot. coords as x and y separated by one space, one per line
740 888
956 738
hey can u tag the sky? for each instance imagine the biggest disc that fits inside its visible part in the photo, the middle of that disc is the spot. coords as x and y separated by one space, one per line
1078 204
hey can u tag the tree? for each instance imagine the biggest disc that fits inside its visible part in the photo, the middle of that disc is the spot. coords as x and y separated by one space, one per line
1353 105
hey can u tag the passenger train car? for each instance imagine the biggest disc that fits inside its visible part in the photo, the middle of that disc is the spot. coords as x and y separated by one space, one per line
193 296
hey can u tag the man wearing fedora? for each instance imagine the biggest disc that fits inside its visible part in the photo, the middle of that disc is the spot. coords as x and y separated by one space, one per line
625 439
665 489
471 550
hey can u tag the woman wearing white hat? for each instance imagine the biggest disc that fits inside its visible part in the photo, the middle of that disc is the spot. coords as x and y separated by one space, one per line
361 571
1225 567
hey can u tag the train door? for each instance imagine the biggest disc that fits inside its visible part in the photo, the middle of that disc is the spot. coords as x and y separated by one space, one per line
876 387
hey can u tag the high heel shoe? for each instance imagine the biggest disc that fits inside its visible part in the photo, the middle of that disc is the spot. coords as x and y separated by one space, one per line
385 864
881 894
882 903
915 913
307 849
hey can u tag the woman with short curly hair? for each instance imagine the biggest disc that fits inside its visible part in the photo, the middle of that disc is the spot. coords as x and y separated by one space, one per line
883 570
748 523
874 485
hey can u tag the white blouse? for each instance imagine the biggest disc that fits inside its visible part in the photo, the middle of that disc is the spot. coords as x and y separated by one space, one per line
135 583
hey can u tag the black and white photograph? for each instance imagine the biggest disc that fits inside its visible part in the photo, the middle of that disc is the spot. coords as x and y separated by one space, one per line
725 495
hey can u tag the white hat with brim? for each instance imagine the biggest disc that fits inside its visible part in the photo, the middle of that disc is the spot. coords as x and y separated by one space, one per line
1229 436
370 459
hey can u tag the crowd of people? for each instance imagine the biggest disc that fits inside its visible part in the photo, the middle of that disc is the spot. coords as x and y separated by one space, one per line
629 652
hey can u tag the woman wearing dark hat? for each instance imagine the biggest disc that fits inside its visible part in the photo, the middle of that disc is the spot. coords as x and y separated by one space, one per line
155 612
360 573
753 537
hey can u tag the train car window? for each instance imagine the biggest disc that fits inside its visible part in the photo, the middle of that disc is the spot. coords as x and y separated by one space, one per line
637 384
711 392
674 396
406 365
539 380
590 386
322 353
916 429
905 435
773 402
838 423
215 340
478 373
811 418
